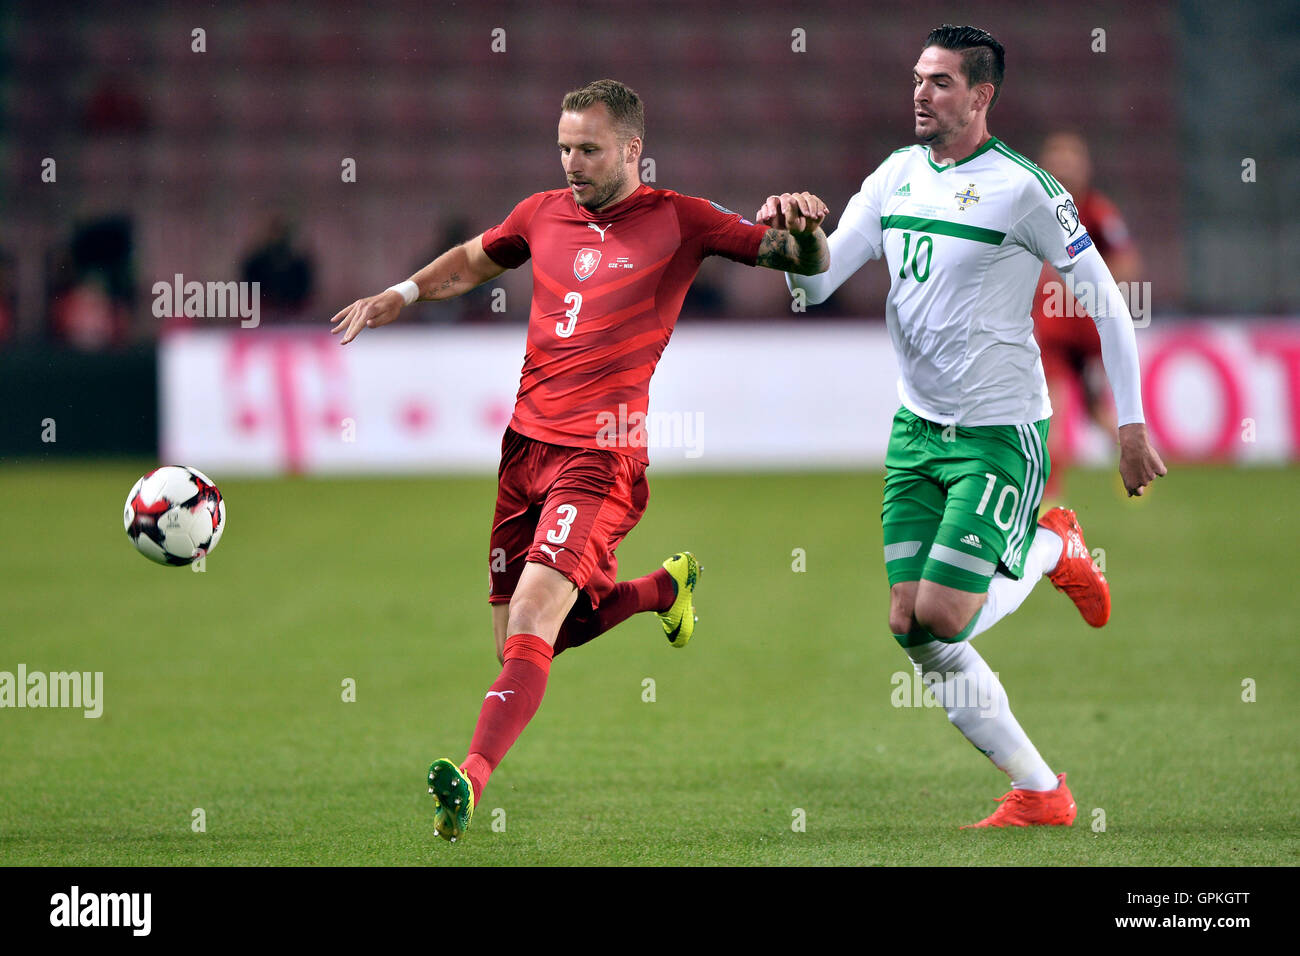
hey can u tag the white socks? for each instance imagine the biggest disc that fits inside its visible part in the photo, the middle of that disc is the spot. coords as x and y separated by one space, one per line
977 705
1046 550
1006 594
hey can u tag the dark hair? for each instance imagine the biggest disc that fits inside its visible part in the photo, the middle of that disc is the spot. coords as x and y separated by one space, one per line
624 105
983 60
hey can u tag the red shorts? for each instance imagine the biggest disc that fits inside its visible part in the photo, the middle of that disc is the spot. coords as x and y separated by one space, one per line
1080 337
566 508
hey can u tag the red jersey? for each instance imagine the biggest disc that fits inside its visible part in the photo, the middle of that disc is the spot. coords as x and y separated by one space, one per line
1103 222
607 289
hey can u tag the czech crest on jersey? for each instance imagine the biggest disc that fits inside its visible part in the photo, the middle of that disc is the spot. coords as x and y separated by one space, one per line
584 264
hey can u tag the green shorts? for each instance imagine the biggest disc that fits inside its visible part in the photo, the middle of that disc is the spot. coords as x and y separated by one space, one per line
961 503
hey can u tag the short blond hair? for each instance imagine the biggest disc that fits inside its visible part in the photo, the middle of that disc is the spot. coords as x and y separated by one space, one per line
624 106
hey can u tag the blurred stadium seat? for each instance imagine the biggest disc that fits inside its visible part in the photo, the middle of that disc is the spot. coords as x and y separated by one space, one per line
431 112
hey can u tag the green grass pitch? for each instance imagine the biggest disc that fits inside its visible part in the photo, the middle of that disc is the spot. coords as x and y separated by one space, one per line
223 690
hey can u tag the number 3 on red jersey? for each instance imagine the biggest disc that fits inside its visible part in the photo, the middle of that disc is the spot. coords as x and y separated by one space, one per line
574 301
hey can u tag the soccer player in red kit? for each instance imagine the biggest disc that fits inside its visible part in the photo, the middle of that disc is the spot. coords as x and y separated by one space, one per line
612 259
1068 341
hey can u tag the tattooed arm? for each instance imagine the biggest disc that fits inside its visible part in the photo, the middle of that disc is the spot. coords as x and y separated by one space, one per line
453 273
794 241
456 271
805 254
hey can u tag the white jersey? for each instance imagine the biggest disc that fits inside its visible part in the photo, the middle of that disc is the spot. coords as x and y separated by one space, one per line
965 245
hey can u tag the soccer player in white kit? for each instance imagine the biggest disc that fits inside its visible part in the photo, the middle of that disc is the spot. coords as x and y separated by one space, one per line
965 223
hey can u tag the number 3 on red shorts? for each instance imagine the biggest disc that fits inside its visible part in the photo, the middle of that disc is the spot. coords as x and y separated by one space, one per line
566 515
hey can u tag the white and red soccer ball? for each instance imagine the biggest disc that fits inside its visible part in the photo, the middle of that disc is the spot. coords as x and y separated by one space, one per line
174 515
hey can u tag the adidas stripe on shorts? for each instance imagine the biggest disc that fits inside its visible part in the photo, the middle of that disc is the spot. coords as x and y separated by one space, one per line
961 502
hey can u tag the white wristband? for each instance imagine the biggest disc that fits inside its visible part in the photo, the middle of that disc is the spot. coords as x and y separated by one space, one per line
408 289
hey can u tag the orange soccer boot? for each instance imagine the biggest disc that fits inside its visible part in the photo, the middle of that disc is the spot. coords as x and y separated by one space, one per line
1032 808
1075 574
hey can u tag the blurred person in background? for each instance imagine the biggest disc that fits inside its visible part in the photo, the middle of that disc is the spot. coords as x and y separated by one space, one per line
285 271
91 288
1068 340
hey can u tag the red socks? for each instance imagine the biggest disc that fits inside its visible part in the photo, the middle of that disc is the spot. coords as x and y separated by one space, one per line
513 700
654 592
508 706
